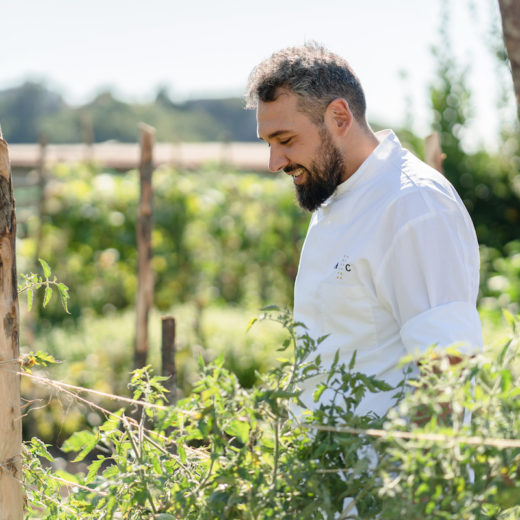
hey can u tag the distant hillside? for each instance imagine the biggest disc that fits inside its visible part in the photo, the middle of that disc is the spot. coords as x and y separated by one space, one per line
30 110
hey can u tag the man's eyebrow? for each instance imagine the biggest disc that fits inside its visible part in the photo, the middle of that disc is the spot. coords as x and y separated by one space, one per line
274 134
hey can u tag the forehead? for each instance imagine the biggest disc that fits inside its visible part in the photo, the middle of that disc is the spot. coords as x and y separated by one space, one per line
280 115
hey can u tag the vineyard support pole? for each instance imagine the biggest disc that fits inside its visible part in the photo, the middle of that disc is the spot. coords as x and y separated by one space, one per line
40 170
11 491
433 152
510 15
145 280
168 365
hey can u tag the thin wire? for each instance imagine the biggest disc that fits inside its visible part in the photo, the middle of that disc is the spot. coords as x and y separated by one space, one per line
432 437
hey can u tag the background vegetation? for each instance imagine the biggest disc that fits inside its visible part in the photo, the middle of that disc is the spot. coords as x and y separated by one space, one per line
31 109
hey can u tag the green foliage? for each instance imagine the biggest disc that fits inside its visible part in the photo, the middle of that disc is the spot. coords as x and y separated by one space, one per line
32 282
227 452
488 184
96 355
500 278
218 237
470 471
32 109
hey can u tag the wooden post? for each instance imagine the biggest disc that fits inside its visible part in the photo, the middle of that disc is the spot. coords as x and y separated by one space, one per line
510 15
40 170
169 368
433 152
144 246
11 491
87 132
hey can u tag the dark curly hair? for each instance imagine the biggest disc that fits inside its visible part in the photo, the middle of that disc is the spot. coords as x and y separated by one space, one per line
315 74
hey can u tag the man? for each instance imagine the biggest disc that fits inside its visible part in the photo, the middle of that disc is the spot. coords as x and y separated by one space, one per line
390 264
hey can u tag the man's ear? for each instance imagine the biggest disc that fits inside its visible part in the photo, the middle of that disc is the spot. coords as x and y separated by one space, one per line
338 116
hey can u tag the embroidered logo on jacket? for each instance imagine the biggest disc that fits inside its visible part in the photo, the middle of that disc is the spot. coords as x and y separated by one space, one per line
343 266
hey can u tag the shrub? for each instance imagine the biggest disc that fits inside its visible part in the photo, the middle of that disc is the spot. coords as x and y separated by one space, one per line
226 452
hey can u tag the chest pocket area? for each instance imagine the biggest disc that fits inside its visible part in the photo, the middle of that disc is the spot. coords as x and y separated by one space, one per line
347 311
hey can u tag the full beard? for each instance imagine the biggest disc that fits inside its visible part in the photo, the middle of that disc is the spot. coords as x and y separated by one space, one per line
323 176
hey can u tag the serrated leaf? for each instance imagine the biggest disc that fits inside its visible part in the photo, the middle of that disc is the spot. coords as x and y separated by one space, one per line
111 472
93 469
83 441
46 268
47 297
64 295
40 449
44 358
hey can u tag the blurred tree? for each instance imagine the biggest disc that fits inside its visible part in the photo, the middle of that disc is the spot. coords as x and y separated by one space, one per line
485 182
22 109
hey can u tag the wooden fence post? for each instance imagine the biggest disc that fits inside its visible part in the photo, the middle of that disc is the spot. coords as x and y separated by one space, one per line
144 246
510 15
11 491
169 368
433 152
40 170
87 132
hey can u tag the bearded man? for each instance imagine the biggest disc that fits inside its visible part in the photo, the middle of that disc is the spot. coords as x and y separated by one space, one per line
390 264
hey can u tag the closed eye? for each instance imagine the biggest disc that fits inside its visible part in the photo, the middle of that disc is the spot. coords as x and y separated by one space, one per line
286 141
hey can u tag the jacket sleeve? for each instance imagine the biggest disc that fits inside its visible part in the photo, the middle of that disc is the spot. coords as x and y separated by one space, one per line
429 279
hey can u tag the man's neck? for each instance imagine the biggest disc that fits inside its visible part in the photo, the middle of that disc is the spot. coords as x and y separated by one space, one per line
361 143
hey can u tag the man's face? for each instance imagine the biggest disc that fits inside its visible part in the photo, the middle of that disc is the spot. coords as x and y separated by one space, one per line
302 149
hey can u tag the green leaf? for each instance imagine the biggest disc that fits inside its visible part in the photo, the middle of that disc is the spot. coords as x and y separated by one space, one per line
270 308
352 360
47 297
239 429
83 441
64 295
111 472
382 385
46 268
65 475
317 393
93 469
252 321
40 449
44 358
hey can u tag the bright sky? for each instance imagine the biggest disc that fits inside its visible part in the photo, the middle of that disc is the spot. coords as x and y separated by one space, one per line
208 47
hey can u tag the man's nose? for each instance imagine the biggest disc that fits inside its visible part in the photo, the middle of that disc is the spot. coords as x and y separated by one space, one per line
277 160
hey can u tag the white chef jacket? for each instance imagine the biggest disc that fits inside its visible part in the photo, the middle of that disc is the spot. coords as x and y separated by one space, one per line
390 266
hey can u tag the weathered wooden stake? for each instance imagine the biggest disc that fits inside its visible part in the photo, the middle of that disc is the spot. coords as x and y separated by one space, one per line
169 368
87 131
433 152
40 170
11 491
510 15
144 246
